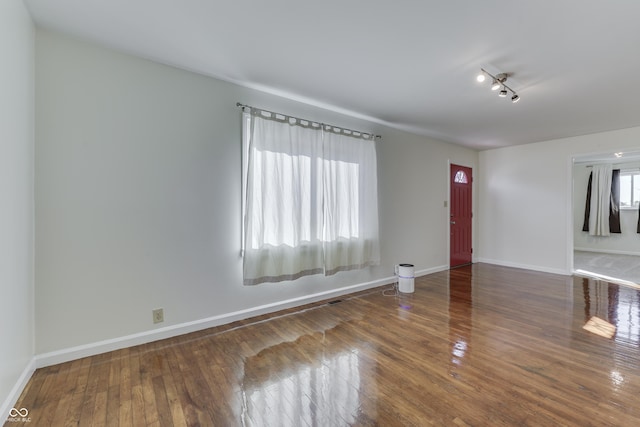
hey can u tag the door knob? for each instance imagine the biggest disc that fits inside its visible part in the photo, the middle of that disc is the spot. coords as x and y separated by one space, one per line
453 222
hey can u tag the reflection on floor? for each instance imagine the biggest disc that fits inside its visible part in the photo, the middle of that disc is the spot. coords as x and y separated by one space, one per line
618 306
478 345
622 267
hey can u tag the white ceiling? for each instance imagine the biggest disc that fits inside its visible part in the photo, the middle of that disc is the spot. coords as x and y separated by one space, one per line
409 64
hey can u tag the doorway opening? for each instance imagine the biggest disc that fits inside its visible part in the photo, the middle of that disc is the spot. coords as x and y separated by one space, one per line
613 258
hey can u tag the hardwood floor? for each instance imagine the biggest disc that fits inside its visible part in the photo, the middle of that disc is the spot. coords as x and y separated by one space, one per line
478 345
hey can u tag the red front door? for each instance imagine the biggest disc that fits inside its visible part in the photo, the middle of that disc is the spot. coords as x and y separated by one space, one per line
460 220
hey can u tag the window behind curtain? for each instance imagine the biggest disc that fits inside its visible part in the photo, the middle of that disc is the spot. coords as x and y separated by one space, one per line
629 188
310 196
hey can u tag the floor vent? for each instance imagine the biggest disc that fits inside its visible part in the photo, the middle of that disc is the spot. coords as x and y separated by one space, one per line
335 301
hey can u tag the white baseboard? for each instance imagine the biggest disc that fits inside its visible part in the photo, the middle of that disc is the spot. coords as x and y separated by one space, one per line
73 353
430 270
14 394
607 251
525 266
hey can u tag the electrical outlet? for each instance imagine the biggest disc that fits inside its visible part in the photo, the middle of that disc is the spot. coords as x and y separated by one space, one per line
158 315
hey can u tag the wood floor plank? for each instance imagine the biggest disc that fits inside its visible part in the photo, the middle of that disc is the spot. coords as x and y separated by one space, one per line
478 345
65 396
125 412
82 380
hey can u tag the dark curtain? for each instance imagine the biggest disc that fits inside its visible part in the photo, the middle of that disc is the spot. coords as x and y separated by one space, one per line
614 205
638 230
587 206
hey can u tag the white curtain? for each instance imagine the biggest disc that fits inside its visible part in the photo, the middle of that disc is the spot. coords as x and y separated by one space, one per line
310 200
600 200
350 233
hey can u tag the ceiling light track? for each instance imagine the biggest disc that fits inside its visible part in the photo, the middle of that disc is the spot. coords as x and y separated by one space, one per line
498 82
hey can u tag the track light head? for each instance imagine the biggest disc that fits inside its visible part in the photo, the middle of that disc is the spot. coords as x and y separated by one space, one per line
503 93
480 77
498 81
515 98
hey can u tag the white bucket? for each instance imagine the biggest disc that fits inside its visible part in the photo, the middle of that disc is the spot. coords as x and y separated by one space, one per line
406 278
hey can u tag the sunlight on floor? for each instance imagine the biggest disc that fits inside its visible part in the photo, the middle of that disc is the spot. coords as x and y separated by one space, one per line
580 272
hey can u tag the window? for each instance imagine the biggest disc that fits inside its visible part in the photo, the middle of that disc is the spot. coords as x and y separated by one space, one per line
310 199
460 178
629 188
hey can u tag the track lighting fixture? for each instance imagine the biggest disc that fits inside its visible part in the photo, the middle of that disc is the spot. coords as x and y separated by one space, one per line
498 82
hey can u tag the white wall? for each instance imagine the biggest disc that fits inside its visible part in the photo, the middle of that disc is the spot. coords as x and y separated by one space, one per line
16 200
525 192
138 200
627 242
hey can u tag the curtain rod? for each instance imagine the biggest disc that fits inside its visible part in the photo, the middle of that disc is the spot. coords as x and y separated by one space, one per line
613 164
238 104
